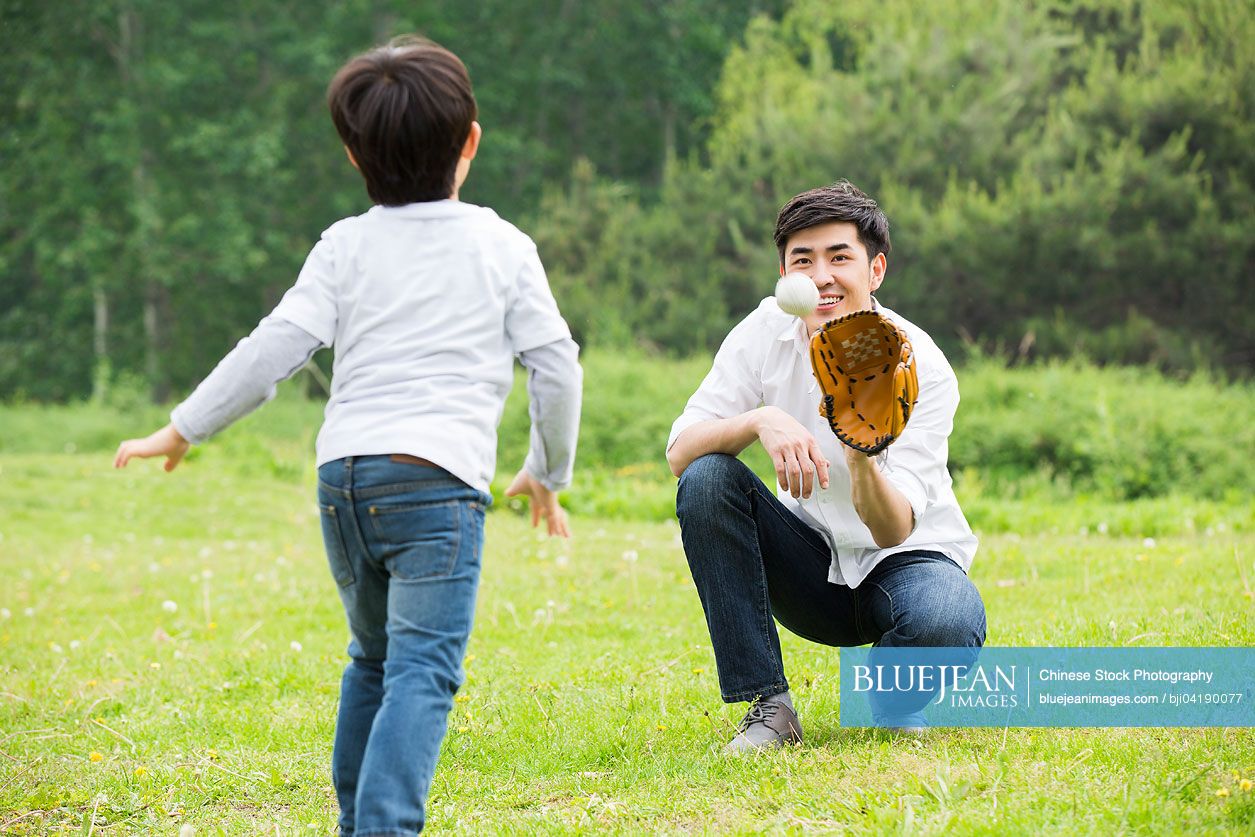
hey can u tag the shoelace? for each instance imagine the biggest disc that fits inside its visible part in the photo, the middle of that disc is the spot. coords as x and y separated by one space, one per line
760 713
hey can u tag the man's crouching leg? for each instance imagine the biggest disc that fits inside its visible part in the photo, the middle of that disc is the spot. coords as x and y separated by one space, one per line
721 505
924 601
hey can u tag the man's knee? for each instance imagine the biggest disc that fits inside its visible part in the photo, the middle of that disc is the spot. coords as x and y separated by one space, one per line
954 620
706 480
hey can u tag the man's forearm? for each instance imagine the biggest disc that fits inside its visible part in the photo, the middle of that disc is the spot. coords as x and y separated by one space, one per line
882 508
730 436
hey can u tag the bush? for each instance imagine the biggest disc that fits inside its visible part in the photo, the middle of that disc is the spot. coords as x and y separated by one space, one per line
1053 432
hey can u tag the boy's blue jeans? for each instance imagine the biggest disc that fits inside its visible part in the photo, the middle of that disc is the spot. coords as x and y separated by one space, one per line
752 560
404 543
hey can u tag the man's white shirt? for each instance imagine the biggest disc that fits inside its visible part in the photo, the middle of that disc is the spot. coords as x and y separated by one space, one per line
765 361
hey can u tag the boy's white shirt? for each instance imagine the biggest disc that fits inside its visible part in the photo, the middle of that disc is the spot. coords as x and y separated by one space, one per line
426 305
765 361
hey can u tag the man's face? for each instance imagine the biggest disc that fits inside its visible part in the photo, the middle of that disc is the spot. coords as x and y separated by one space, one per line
836 261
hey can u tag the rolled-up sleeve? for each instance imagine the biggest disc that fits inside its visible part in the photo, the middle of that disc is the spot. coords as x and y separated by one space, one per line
734 384
916 463
554 387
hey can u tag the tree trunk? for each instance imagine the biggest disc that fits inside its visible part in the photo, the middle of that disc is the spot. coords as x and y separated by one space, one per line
128 54
101 371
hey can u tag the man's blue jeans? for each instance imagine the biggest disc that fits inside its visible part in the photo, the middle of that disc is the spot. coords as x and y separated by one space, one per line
404 543
754 563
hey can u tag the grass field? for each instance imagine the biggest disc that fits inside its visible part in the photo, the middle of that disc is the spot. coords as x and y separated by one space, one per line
171 647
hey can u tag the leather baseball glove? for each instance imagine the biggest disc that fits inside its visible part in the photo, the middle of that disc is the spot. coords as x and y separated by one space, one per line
866 369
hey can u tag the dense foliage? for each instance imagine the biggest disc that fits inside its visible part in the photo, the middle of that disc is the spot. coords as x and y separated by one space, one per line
165 167
1063 176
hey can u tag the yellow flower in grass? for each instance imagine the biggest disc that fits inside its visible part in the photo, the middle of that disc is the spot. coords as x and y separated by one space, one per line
141 770
213 754
1245 784
1222 792
95 756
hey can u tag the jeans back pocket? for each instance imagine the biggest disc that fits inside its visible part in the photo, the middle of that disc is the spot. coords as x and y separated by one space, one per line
418 540
333 540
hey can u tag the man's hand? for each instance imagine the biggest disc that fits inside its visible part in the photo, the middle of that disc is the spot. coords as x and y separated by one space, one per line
543 501
165 442
793 451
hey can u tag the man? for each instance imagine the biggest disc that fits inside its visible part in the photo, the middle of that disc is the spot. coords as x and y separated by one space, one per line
852 549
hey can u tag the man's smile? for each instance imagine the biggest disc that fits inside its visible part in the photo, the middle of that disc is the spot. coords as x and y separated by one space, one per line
828 301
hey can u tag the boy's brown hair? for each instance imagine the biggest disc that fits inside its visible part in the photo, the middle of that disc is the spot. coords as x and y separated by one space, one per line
404 111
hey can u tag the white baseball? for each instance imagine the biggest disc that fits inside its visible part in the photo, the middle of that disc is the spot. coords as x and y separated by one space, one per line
796 294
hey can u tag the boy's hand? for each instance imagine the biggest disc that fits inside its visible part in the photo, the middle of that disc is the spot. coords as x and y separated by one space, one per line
165 442
543 501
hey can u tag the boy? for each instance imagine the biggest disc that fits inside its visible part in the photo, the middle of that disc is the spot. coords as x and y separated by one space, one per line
427 301
854 549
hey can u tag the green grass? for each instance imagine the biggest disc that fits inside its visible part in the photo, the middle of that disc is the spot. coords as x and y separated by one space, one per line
591 701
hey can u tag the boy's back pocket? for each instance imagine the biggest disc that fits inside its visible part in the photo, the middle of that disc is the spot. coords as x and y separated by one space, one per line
418 540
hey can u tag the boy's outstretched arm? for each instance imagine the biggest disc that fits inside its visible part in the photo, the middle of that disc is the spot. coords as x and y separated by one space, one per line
555 385
243 381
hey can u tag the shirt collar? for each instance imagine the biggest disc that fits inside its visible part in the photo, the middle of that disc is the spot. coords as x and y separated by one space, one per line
427 209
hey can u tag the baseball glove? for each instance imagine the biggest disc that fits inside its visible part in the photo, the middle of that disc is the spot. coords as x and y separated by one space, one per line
866 369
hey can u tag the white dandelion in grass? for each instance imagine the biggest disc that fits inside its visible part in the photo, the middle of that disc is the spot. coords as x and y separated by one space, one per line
296 646
5 613
630 555
1149 543
169 606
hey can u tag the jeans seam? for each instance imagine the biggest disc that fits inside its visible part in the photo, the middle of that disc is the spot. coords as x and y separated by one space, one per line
792 524
893 611
765 602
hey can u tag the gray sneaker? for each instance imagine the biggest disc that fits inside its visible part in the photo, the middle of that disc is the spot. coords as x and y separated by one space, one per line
769 724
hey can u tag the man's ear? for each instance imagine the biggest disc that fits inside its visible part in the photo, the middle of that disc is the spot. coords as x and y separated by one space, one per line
471 147
352 159
879 265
